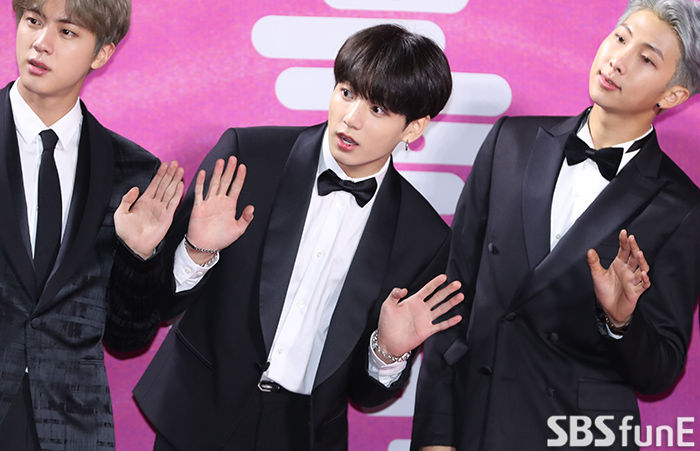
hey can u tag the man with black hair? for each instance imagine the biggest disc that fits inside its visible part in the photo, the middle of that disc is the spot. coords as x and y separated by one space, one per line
289 322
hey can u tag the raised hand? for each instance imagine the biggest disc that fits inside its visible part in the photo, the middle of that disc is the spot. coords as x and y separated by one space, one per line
619 287
142 222
213 224
405 325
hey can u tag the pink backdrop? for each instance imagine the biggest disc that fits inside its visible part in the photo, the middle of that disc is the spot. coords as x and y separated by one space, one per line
188 70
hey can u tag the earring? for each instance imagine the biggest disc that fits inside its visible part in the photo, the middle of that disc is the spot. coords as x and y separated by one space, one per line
405 144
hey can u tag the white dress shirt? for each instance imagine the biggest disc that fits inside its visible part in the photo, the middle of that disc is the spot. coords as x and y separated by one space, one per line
332 230
579 185
28 126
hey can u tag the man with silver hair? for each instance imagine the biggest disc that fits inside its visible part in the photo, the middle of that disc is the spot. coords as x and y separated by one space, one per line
554 346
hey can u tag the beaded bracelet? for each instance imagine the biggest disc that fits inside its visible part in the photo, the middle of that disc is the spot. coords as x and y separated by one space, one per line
382 353
208 251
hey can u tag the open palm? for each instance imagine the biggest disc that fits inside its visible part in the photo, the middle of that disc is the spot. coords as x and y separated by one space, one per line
213 223
619 287
406 324
142 222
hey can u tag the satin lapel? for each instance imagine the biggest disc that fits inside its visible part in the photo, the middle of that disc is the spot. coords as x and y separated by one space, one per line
634 186
285 228
14 232
91 195
538 186
363 283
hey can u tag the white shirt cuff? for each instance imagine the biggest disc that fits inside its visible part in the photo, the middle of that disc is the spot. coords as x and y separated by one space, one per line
385 373
188 273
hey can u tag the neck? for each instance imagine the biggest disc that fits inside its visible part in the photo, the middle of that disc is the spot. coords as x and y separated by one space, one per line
610 128
49 108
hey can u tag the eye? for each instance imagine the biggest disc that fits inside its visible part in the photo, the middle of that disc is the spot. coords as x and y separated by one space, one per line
647 60
68 33
619 38
376 109
33 21
346 93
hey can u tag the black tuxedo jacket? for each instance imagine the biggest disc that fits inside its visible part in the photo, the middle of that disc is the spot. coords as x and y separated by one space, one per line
56 331
532 344
196 386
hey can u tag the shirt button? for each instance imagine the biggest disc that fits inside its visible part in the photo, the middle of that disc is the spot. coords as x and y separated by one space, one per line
558 236
302 306
188 270
280 351
319 254
199 273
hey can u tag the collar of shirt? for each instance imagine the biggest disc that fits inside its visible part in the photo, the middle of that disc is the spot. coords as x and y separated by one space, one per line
585 134
328 162
29 125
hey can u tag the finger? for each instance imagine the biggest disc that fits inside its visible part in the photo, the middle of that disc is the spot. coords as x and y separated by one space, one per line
447 305
165 182
594 262
228 175
246 217
175 200
238 182
199 187
638 254
442 325
172 187
155 181
215 178
396 295
443 293
624 252
431 286
128 200
646 282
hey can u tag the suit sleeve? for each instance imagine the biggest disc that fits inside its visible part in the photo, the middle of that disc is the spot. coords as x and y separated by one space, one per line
366 391
132 319
172 304
652 353
435 420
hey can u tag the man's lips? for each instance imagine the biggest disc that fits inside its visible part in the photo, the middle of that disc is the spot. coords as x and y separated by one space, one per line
36 67
345 142
607 83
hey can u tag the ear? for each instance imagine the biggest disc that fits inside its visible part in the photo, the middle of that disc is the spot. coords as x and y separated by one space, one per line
415 129
674 96
103 55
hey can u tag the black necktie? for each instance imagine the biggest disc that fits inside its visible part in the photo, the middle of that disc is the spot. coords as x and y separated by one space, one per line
608 158
363 191
48 226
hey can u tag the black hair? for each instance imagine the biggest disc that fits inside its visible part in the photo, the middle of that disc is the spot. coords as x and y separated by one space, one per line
402 72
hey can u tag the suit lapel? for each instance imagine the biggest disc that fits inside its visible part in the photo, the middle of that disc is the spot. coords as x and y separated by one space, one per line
541 175
630 190
363 283
14 231
285 227
91 196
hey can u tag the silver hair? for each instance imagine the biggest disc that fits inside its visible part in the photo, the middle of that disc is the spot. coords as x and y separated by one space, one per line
683 16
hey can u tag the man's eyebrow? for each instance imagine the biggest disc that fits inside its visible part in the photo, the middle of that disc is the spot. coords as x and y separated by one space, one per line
648 45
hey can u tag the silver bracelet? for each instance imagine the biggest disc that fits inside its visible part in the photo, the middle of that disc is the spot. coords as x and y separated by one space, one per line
382 353
208 251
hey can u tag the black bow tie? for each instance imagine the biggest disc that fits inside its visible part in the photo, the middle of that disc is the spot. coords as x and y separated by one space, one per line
608 158
363 191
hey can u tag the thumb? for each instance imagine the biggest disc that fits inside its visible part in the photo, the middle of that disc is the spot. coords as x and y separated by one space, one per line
594 262
128 200
397 294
